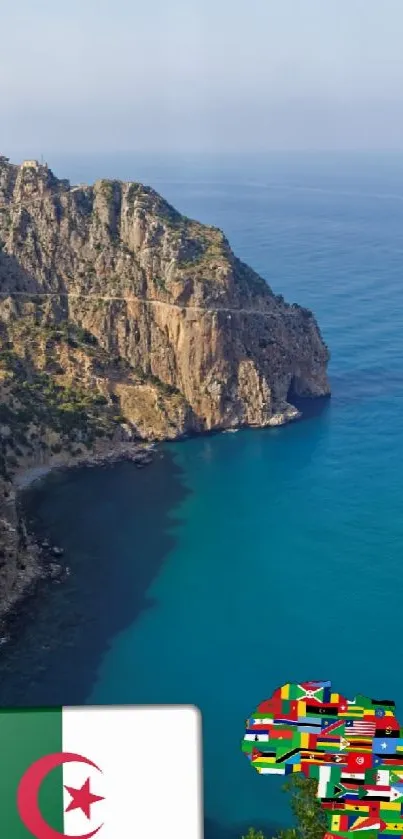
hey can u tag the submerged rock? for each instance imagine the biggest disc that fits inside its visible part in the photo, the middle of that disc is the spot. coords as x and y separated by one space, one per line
55 570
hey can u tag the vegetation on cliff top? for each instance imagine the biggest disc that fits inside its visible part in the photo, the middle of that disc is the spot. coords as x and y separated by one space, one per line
44 402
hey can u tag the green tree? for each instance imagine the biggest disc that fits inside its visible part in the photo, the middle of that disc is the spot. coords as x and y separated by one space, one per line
306 807
309 816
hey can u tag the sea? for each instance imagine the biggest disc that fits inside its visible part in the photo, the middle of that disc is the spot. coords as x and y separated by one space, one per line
238 562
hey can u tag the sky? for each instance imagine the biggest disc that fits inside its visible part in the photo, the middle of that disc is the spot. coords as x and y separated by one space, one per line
217 76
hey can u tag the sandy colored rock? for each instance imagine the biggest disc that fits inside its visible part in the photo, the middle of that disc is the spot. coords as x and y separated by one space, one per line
121 319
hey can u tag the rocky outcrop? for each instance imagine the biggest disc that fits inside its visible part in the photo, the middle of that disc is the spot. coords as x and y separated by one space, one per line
121 318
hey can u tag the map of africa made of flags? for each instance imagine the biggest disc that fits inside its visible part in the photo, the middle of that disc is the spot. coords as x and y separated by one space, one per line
352 748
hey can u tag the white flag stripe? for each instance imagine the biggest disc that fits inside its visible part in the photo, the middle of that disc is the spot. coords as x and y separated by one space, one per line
364 727
151 771
324 777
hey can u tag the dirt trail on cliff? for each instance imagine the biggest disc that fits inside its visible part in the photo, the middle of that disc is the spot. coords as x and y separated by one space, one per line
111 298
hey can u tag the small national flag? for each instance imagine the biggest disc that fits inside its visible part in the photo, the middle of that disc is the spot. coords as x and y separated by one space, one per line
322 710
256 736
390 730
330 725
386 746
354 728
266 708
101 772
310 690
357 761
368 824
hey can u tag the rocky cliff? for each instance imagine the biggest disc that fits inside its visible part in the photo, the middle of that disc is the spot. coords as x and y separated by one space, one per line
119 317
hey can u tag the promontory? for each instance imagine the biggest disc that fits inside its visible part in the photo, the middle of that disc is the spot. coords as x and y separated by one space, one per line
121 319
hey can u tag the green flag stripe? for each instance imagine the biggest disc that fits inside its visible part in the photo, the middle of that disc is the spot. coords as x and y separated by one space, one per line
25 736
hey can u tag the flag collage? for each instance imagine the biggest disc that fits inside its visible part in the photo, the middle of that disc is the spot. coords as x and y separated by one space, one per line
352 748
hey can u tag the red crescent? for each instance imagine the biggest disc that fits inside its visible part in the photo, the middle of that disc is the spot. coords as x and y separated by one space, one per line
28 791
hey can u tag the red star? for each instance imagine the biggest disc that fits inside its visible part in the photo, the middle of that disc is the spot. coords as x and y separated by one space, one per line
82 798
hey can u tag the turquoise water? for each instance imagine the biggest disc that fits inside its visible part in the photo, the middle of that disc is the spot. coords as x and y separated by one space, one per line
285 559
289 547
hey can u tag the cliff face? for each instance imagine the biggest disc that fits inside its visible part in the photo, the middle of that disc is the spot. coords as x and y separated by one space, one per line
119 316
160 291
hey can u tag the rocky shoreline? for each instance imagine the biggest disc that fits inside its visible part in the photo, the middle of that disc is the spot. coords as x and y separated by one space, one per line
42 559
139 453
114 524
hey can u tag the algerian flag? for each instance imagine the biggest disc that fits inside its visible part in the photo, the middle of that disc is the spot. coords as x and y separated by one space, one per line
106 772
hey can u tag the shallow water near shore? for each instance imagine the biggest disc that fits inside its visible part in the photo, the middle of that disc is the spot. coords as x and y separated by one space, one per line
240 561
59 639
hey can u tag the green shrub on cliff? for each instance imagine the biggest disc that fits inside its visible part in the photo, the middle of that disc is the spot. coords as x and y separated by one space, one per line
306 808
309 816
160 283
34 404
254 834
73 334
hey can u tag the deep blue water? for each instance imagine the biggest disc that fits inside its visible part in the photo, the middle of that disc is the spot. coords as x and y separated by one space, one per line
284 552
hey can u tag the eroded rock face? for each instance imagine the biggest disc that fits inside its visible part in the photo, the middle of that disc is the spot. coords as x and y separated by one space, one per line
162 292
121 319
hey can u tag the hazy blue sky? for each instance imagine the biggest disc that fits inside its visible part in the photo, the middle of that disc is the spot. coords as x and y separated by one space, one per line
79 75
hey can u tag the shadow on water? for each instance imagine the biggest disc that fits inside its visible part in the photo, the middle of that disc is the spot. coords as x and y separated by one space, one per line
310 408
116 527
348 388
